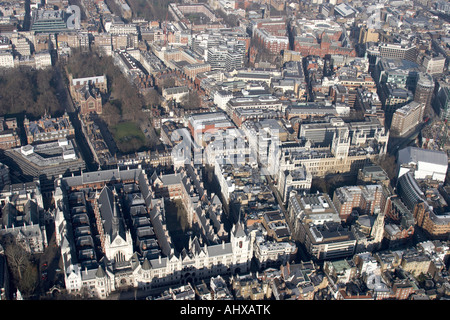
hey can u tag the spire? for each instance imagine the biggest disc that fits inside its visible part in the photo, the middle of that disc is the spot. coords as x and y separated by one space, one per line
100 272
146 265
115 220
239 229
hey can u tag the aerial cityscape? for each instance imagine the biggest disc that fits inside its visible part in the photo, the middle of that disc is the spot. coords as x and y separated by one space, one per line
224 150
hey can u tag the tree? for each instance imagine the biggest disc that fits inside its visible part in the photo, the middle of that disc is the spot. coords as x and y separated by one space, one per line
18 258
28 91
152 98
191 101
24 271
167 83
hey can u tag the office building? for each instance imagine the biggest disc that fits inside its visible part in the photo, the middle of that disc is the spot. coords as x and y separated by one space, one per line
298 179
366 200
310 209
407 118
424 89
424 164
442 103
434 65
393 51
48 21
46 161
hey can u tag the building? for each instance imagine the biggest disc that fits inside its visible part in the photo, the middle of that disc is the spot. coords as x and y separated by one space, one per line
191 70
247 287
429 213
22 216
99 82
407 118
334 146
328 241
298 179
424 89
273 43
167 185
175 93
368 199
154 262
9 133
442 102
225 58
89 100
46 161
345 10
436 225
340 271
415 262
48 129
42 59
409 191
270 253
434 65
425 164
268 104
368 35
221 97
22 46
5 178
209 123
310 209
6 59
276 226
48 21
372 174
393 51
317 225
399 223
319 38
401 72
393 97
310 110
298 281
87 93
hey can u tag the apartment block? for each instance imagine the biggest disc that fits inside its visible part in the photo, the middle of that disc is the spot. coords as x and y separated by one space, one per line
367 199
407 118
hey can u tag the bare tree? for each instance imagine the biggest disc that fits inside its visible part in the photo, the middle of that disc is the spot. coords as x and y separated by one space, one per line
152 98
191 101
17 258
24 271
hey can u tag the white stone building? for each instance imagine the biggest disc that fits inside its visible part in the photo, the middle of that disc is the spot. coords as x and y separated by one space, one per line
426 164
124 265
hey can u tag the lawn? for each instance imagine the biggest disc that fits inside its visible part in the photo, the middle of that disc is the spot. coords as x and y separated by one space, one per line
128 136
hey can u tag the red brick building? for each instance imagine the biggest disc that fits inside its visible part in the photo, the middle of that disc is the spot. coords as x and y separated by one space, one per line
9 137
322 49
90 101
275 44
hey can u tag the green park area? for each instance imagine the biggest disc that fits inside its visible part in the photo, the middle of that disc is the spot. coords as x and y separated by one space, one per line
128 136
